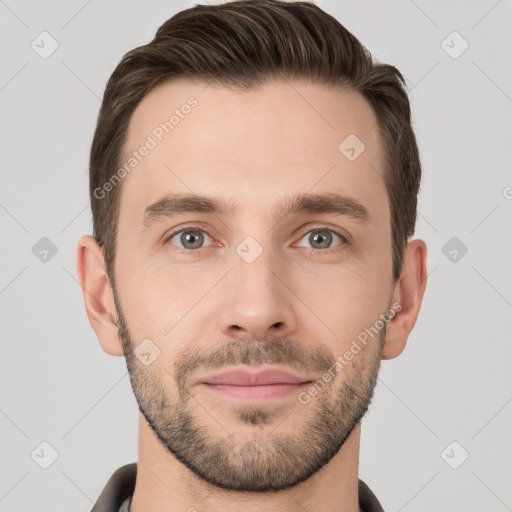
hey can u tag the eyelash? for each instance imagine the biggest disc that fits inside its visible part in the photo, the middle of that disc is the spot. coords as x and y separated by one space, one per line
333 250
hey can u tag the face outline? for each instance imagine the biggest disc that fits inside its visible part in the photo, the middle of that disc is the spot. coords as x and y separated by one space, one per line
289 305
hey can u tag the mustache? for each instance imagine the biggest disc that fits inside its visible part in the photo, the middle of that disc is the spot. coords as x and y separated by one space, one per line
272 351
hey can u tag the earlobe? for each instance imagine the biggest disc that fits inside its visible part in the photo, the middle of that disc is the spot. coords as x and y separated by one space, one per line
97 293
407 295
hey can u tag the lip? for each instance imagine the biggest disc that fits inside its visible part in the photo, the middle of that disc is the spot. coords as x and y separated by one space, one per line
262 378
254 387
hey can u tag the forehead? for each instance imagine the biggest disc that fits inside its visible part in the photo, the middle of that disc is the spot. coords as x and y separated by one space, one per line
259 145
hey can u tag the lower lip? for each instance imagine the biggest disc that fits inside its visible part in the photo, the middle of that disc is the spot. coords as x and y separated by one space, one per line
262 392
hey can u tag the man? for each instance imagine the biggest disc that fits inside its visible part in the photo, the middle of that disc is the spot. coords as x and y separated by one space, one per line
254 179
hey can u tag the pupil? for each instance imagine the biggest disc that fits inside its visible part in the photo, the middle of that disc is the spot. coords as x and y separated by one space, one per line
188 238
326 238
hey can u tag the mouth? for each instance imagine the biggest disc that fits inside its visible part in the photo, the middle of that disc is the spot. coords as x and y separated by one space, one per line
260 386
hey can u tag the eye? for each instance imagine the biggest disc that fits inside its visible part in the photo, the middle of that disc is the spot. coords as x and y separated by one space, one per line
322 238
189 238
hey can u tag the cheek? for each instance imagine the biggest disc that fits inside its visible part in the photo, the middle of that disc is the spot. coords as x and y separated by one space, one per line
341 304
159 300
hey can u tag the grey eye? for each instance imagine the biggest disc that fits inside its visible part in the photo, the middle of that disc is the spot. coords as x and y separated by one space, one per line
321 238
190 239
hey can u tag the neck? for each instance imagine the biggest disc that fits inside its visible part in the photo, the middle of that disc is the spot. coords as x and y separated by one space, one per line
165 484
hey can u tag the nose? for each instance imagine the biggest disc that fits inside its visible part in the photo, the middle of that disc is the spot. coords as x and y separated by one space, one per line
257 301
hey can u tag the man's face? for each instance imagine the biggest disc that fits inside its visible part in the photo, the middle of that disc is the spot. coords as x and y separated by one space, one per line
253 288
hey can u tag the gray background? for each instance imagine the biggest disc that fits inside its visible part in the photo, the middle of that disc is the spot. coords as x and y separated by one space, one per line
452 383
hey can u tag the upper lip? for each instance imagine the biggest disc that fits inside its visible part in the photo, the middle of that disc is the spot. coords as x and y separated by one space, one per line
261 378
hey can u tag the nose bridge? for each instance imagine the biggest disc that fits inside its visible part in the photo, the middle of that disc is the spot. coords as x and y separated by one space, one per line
257 299
257 266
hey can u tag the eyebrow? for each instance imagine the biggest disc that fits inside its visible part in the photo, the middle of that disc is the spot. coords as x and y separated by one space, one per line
302 203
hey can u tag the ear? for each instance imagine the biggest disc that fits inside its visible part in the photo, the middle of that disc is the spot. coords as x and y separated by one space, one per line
98 296
408 292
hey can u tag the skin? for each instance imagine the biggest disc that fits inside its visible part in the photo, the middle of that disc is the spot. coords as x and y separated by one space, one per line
292 308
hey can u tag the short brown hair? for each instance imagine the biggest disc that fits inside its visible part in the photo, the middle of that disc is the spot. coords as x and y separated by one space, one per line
245 44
